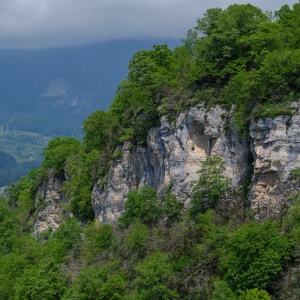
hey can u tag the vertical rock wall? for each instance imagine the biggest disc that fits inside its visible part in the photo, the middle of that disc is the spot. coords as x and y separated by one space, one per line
173 155
48 203
276 150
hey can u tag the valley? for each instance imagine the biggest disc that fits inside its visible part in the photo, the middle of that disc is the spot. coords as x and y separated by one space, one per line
49 93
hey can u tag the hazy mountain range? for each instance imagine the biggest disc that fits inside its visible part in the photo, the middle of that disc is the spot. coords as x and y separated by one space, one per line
52 91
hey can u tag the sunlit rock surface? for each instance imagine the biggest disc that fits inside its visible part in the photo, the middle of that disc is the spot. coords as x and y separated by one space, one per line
173 155
276 150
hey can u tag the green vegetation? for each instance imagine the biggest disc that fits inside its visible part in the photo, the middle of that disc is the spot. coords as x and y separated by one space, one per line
155 251
238 57
210 187
20 152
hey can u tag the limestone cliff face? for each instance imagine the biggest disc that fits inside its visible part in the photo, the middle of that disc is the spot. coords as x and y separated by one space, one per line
48 203
173 154
276 150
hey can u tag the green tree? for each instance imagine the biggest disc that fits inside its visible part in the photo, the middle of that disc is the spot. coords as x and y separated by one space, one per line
290 21
65 240
40 282
254 294
101 130
8 227
154 276
253 255
225 47
141 206
137 237
57 152
98 239
102 283
12 266
210 187
172 207
135 101
222 291
279 75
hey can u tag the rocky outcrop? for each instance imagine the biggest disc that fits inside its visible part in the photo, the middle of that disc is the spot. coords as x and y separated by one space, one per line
173 154
48 204
276 151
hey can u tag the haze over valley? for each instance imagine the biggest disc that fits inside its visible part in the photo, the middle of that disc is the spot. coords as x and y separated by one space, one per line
47 93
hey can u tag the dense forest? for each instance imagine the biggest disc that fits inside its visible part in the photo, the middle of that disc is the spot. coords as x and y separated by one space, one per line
241 58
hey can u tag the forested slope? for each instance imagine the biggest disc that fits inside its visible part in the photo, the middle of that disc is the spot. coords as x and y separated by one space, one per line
240 58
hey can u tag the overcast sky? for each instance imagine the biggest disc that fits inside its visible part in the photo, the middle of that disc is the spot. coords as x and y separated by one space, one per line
59 23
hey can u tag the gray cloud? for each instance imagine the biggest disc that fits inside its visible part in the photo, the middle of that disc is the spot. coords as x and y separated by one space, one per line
57 23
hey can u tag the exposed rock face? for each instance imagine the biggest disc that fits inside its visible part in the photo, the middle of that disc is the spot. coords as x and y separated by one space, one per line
48 203
173 155
276 150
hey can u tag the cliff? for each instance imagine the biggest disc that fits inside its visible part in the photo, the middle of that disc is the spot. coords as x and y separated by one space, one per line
49 204
276 151
174 153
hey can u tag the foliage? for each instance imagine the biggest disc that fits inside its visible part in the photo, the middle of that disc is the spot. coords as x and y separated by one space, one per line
57 151
222 291
211 185
271 110
295 174
154 274
12 266
254 255
100 129
172 207
240 57
141 206
134 104
21 196
136 239
67 238
98 238
82 169
42 282
254 294
225 49
104 283
8 227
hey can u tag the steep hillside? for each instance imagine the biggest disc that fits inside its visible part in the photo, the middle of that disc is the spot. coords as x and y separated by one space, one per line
186 188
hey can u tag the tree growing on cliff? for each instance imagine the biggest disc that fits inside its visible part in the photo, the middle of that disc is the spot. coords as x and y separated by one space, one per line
141 206
57 151
210 187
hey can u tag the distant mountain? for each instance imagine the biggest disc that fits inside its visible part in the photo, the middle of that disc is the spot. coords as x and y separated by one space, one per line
52 91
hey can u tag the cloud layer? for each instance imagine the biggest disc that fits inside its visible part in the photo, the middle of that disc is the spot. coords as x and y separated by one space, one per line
59 23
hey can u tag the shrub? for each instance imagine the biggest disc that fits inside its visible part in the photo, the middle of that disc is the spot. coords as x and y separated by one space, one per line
141 206
253 256
137 237
154 275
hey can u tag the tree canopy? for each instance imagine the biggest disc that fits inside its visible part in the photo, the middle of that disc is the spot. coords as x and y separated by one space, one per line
241 58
